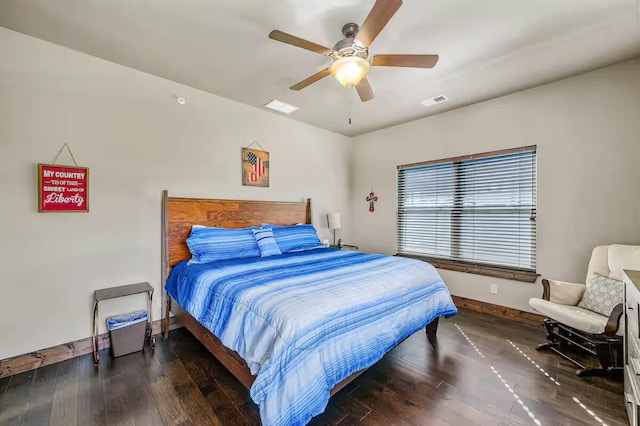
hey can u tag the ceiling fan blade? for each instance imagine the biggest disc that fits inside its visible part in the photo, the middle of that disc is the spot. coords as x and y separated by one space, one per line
412 61
380 15
299 42
308 81
365 91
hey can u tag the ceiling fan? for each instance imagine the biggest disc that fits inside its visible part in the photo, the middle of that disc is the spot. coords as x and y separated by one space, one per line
351 61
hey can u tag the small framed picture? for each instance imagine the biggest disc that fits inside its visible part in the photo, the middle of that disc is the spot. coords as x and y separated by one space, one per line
63 188
255 168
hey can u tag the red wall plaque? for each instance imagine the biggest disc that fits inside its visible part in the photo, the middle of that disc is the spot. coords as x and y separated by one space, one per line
63 188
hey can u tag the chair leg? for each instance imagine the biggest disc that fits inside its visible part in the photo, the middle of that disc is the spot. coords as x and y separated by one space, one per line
592 372
547 346
564 345
605 356
616 373
553 343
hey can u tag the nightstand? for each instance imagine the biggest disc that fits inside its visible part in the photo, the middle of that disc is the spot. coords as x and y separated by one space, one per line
346 247
121 291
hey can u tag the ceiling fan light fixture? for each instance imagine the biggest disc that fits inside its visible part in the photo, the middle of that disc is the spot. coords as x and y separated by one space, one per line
350 70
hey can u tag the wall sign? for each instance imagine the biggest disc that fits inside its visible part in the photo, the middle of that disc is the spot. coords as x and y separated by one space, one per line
63 188
255 167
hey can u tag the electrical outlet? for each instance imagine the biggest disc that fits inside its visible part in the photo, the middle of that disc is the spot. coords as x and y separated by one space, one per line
494 289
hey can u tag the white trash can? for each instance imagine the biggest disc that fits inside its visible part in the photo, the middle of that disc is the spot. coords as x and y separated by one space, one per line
127 332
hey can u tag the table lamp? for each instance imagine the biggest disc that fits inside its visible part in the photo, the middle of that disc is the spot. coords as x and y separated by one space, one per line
333 220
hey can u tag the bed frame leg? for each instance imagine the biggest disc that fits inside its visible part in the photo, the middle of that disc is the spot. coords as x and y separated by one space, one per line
432 329
166 317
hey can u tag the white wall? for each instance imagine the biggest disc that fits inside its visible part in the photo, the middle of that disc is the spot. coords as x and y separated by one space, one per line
126 127
587 129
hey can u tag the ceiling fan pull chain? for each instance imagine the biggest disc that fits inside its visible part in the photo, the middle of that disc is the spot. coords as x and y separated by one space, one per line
349 108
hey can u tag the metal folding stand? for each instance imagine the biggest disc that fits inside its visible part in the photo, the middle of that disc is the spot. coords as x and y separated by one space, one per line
121 291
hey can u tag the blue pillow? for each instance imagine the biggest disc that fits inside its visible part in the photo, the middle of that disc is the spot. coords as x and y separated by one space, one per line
212 244
295 238
266 243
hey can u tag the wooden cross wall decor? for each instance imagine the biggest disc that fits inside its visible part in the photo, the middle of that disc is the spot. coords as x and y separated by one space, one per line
372 198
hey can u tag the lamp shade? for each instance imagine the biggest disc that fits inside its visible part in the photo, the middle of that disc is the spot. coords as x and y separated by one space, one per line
334 220
350 70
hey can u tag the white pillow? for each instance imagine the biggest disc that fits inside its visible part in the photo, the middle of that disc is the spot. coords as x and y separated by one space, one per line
602 294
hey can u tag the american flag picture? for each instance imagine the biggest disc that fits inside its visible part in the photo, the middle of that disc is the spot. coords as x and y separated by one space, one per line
255 169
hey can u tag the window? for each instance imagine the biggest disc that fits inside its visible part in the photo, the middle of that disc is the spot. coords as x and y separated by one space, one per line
478 211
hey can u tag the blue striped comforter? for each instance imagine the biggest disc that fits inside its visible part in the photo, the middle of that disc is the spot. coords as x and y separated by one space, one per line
305 321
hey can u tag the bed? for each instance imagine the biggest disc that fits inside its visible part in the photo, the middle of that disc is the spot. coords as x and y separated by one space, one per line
294 328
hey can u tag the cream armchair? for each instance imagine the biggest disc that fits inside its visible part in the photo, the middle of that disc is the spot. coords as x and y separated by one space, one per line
569 325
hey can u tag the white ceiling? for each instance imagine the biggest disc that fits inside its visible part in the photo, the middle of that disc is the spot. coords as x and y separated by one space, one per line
487 48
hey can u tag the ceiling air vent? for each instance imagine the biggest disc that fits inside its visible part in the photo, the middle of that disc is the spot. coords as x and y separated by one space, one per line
281 106
437 100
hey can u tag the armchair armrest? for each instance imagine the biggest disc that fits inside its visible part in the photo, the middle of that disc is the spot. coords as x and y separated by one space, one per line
561 292
611 328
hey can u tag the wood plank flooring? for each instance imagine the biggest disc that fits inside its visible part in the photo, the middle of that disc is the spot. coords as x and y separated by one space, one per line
486 373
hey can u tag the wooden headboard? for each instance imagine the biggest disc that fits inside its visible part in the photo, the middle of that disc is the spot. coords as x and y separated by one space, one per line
179 214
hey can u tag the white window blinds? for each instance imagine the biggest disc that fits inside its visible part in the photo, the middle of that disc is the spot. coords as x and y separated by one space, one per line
478 209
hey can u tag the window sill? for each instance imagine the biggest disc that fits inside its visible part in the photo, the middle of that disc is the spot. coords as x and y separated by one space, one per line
470 268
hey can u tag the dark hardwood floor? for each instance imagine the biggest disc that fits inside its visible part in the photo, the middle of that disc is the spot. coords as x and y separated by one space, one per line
486 373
